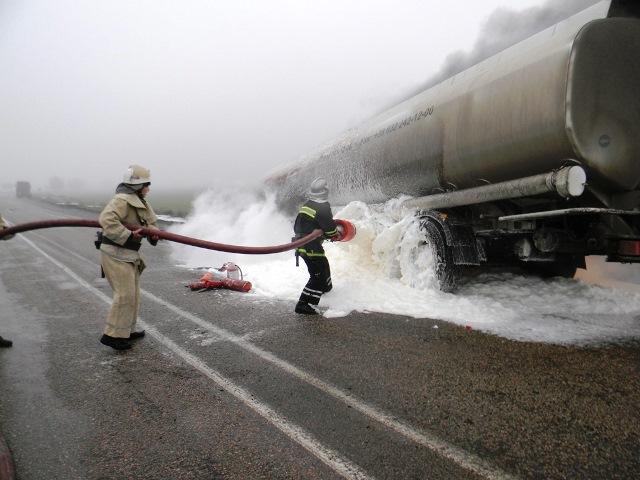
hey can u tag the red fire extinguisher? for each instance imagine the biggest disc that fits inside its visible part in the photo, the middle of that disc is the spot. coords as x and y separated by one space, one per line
228 276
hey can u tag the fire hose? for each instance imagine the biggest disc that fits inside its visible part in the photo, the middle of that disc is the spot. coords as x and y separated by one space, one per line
347 228
346 231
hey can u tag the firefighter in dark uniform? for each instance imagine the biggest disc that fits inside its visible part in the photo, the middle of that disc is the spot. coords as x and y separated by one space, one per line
313 214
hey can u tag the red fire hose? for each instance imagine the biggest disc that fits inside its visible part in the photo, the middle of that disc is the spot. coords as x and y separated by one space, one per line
173 237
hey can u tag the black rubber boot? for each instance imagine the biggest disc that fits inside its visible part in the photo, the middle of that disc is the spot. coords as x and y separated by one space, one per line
116 343
305 309
5 343
136 335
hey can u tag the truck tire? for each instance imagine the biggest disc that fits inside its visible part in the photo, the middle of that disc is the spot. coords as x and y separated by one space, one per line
447 272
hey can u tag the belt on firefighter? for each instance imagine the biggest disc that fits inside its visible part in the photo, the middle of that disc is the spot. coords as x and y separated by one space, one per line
305 250
130 244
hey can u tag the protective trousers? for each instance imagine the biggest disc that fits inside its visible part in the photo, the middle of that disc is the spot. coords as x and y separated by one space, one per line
124 278
319 279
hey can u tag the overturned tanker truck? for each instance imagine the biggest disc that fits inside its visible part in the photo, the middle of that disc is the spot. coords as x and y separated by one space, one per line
531 157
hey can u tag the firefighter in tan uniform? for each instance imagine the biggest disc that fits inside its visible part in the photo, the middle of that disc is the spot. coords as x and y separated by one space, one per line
120 258
4 343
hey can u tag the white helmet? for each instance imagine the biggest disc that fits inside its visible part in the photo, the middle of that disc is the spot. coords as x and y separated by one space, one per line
318 191
136 175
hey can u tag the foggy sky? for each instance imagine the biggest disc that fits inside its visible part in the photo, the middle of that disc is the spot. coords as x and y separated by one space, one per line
206 92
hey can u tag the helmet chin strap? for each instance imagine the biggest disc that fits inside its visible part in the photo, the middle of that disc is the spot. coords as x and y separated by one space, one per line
129 188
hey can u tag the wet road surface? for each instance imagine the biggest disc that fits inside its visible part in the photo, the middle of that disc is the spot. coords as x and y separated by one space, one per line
233 386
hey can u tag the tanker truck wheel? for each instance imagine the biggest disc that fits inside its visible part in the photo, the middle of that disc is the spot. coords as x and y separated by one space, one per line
447 272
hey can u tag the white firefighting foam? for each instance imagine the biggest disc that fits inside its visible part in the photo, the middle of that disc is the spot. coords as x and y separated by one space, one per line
387 268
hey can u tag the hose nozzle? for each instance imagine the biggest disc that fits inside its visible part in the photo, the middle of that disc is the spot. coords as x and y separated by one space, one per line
346 230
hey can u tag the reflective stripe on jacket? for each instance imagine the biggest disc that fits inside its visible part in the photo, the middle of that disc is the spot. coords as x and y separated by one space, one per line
311 216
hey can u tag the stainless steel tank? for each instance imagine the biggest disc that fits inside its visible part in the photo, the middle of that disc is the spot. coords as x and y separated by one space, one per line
569 92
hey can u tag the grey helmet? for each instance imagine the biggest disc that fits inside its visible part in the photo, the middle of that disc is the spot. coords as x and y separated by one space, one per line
318 191
136 175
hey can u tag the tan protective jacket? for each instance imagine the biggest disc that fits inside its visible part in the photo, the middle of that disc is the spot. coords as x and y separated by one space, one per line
124 208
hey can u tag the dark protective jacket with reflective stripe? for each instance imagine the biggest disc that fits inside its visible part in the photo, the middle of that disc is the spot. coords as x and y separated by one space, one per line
313 215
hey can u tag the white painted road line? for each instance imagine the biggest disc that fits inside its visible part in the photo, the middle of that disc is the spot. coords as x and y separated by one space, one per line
462 458
329 457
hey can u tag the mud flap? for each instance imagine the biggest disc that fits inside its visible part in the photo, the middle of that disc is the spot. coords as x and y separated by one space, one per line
465 248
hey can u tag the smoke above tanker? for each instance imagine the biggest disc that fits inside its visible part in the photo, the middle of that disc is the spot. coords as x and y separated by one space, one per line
505 26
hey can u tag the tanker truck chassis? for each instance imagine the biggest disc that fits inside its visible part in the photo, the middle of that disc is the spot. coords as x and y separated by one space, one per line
529 158
552 239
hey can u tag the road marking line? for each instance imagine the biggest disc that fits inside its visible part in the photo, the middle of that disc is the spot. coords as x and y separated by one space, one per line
459 456
328 456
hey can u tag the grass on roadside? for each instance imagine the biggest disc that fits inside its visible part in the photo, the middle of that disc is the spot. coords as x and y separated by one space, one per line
176 203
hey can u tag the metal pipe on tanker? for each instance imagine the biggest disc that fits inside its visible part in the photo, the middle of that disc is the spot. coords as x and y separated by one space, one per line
567 182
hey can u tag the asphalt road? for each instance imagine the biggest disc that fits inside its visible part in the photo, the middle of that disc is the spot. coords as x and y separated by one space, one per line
231 386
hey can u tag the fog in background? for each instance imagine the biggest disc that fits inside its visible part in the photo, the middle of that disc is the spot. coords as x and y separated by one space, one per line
206 92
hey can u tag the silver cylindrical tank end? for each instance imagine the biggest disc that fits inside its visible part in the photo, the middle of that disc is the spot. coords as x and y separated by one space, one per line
570 181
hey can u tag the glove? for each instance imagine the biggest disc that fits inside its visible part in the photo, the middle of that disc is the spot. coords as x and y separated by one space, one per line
6 237
153 238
